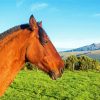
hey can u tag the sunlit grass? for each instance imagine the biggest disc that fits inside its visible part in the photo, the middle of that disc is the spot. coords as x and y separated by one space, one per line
35 85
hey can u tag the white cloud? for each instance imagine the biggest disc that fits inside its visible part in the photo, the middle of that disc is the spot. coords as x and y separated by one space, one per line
97 15
38 6
19 2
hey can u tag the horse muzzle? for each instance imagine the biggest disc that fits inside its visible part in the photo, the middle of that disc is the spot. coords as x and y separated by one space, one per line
54 76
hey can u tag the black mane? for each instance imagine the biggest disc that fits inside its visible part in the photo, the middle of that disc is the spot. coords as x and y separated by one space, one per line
41 36
13 29
24 26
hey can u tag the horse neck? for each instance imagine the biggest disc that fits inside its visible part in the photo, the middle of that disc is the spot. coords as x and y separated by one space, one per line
13 36
12 56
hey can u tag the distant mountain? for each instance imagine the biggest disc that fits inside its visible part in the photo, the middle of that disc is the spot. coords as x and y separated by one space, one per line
86 48
63 49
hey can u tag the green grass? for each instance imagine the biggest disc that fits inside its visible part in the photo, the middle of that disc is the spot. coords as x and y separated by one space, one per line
35 85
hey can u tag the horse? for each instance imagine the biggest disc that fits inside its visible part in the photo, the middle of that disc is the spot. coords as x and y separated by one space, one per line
27 42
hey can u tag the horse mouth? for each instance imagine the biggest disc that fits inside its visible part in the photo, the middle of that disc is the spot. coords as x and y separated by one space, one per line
53 76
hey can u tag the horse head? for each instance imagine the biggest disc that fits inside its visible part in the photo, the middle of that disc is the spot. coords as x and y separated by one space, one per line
41 51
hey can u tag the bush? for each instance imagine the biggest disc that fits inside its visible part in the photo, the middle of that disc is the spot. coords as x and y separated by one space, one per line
81 63
71 62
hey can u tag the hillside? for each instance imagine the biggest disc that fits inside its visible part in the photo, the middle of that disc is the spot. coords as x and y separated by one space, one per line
87 48
93 54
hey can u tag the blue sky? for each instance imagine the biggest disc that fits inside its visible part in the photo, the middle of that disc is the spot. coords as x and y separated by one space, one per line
69 23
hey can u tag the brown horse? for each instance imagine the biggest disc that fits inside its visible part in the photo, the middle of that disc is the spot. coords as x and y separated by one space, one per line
28 42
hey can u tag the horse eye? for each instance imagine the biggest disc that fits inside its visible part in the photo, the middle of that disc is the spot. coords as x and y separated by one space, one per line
46 41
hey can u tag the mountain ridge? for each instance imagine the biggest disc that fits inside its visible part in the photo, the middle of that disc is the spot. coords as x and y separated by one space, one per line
90 47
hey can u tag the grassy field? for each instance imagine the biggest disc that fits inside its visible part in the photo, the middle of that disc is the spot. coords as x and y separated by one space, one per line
35 85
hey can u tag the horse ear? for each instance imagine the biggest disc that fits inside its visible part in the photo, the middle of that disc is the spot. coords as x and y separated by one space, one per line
40 23
33 23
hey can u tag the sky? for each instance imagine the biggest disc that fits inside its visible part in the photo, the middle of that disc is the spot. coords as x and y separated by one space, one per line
68 23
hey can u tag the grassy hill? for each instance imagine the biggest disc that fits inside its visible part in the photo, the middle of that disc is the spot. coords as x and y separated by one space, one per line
35 85
93 54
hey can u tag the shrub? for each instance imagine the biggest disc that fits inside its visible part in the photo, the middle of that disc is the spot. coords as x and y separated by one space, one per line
85 62
71 62
81 63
